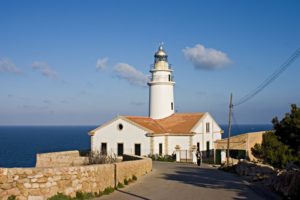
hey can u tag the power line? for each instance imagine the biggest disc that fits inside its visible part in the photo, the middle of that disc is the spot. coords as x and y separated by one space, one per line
270 79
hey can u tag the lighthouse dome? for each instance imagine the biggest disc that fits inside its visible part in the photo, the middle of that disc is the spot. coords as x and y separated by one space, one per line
161 59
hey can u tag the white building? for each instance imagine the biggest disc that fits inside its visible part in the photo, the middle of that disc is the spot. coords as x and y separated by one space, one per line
163 129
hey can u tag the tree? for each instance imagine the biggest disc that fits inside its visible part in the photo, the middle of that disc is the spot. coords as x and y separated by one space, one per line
273 151
288 130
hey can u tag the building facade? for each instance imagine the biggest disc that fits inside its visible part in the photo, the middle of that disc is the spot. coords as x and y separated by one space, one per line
163 131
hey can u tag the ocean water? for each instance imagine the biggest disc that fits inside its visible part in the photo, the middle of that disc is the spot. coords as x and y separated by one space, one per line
245 128
20 144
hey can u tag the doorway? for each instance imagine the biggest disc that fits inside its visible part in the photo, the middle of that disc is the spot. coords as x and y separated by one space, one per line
137 149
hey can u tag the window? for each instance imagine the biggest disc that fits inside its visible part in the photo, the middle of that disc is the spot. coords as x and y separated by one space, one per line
172 106
120 126
169 77
160 149
207 127
207 149
120 149
137 149
103 148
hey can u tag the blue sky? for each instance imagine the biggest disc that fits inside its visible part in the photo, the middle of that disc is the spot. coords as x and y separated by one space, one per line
84 62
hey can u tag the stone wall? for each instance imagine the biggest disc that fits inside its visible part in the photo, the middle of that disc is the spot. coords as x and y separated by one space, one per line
60 159
241 142
126 169
42 183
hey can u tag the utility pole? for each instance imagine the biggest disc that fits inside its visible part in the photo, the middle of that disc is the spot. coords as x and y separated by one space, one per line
229 128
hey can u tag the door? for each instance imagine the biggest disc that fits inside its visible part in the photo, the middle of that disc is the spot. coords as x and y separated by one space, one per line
120 149
137 149
160 150
103 148
207 149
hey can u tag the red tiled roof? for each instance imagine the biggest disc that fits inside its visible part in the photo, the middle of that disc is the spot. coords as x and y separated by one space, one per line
177 123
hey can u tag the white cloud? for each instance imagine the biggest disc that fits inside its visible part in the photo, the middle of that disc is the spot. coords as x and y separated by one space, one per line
7 65
132 75
101 63
206 58
44 69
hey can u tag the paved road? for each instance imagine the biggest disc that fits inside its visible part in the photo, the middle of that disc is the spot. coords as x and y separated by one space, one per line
185 181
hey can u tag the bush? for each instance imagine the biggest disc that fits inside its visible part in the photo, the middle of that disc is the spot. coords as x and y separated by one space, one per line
12 197
120 185
125 181
165 158
134 178
108 190
60 196
83 195
288 130
272 151
96 157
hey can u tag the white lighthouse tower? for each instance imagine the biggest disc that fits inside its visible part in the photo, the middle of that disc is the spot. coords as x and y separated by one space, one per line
161 87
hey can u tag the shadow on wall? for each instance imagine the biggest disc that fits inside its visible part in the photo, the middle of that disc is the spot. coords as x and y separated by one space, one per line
210 178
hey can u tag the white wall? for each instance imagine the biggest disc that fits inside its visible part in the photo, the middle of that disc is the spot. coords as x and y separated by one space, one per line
202 136
129 135
161 94
161 97
156 141
182 141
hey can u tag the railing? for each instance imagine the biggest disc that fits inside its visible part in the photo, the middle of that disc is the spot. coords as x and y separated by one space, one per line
163 78
152 66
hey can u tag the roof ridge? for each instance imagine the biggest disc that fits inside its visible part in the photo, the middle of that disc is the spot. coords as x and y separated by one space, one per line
156 121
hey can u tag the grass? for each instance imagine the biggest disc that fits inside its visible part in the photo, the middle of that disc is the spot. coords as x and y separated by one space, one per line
87 195
120 185
60 196
125 181
108 190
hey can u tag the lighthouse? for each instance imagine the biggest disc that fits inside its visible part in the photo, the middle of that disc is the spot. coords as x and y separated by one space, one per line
161 87
163 130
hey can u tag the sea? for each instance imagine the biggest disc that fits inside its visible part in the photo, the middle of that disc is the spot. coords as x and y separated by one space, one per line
20 144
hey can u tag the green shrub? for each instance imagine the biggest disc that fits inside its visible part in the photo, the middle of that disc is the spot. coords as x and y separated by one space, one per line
120 185
59 196
125 181
287 131
134 178
84 195
165 158
108 190
12 197
272 151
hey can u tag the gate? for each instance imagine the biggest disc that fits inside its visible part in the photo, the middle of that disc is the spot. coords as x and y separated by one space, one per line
186 156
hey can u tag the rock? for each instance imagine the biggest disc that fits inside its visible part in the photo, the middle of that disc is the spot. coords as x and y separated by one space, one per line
35 185
13 191
27 185
286 183
35 198
255 171
5 186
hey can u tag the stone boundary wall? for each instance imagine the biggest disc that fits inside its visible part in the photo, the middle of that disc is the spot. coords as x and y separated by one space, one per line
42 183
60 159
138 167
